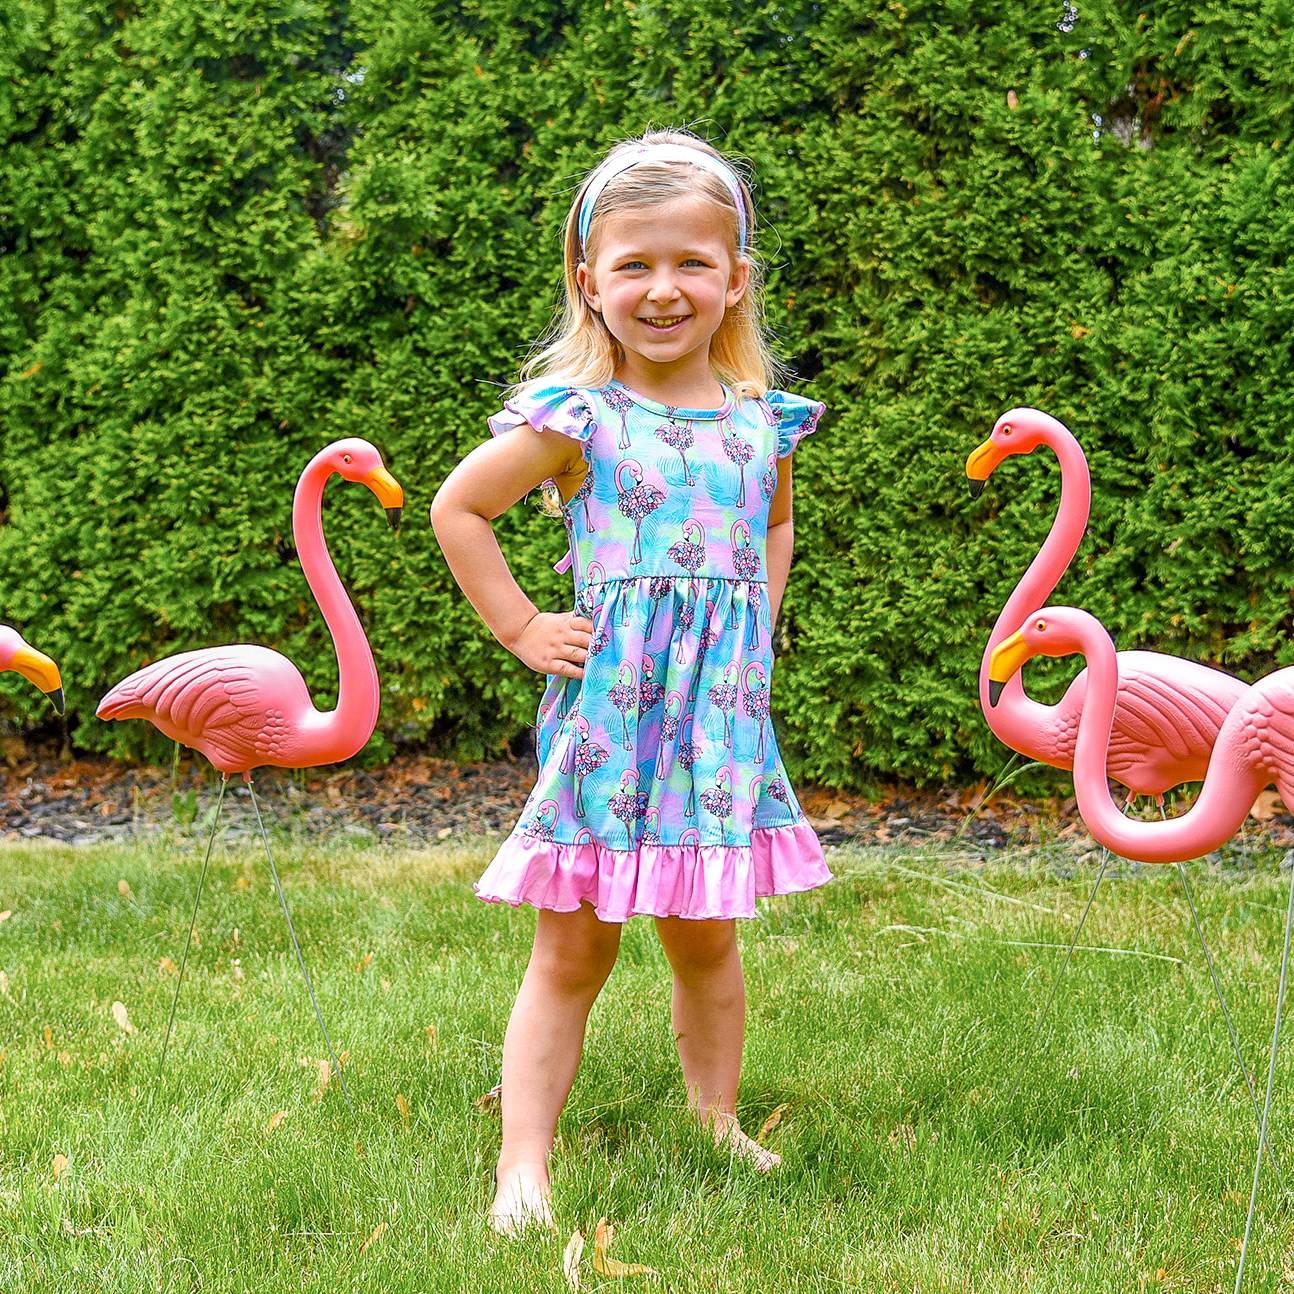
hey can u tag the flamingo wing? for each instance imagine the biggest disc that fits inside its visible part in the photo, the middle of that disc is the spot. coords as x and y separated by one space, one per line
1168 716
239 705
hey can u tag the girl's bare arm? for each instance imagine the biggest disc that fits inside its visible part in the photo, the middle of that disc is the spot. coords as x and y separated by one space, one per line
484 485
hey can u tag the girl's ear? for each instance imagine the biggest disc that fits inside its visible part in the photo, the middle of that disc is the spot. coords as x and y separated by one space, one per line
739 281
588 289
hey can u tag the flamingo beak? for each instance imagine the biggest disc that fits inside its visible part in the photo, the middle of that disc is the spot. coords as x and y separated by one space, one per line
37 668
389 494
1008 659
980 465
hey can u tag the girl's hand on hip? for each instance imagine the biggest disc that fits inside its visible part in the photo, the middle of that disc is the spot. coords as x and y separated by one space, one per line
555 643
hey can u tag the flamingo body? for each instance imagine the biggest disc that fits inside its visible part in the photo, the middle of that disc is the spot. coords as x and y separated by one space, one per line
1168 711
245 706
1254 746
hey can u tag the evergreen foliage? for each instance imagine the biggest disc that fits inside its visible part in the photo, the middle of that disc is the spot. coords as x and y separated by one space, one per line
233 232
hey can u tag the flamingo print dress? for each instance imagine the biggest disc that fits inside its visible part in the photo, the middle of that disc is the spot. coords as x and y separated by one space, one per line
660 788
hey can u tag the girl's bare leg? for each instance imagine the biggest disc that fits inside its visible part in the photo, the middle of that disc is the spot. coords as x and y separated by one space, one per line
709 1015
572 956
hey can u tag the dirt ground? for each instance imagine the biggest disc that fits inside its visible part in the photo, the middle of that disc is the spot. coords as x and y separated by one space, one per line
417 799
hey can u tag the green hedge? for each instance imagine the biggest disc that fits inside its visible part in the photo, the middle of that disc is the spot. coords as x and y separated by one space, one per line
232 232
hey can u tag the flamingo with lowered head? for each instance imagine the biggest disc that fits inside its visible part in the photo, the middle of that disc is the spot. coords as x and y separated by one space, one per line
34 666
245 706
1168 711
1254 749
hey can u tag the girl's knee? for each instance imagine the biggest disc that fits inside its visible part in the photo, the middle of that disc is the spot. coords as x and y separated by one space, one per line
697 947
574 951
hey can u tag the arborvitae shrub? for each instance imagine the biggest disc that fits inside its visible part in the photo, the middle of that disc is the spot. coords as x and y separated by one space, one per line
231 233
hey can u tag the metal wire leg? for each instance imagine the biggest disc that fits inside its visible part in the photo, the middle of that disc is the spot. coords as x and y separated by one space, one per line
1055 984
301 961
188 939
1271 1081
1231 1028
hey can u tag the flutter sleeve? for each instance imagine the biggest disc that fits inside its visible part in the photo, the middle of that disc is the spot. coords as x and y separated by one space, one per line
795 417
562 409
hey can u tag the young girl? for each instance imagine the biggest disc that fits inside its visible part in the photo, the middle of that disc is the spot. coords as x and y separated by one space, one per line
660 790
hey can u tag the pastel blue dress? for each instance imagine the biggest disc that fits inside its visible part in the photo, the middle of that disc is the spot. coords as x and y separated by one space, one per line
660 787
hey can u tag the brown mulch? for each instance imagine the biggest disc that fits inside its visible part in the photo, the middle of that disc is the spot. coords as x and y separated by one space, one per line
418 800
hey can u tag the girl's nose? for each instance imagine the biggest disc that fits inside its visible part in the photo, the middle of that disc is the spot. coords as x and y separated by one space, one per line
663 288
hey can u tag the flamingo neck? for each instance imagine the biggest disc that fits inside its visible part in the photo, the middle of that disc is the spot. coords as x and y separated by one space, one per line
1229 787
1016 719
358 695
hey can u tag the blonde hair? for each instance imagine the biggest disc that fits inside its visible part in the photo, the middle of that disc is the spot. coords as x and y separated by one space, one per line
580 350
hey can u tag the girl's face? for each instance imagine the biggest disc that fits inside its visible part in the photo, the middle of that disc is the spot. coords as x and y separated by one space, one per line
662 280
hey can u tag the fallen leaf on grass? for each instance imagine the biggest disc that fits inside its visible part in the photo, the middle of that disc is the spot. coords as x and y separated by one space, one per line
386 984
492 1101
607 1266
4 987
122 1017
571 1260
167 967
433 1037
363 962
377 1233
123 888
60 1166
771 1122
6 914
49 1038
403 1106
325 1075
275 1119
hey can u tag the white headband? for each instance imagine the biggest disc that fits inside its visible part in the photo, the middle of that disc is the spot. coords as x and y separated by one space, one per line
620 162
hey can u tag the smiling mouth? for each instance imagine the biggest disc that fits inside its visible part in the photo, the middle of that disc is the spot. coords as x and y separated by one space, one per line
665 325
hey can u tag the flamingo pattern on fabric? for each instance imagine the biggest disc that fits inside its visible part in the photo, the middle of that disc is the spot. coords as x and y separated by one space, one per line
660 787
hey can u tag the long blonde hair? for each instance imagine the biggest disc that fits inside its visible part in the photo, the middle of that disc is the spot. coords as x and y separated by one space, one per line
580 350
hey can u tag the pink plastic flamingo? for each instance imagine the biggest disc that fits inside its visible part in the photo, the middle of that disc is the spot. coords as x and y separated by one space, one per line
1254 748
1168 710
34 666
245 706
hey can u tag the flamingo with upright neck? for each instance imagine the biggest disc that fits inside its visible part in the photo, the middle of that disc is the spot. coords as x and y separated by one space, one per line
1168 711
245 706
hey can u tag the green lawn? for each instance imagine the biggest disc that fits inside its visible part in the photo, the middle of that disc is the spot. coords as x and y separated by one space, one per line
890 1013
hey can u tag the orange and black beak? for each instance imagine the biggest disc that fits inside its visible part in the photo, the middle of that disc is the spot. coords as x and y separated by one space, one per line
980 465
389 494
37 668
1008 659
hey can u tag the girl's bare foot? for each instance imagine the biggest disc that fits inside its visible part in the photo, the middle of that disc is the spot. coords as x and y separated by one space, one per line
745 1148
521 1199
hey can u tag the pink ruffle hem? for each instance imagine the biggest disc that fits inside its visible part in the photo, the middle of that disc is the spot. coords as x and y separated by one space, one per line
699 882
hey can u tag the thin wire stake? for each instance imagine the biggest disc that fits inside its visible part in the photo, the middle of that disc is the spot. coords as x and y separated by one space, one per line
1055 984
188 939
1271 1077
301 961
1231 1028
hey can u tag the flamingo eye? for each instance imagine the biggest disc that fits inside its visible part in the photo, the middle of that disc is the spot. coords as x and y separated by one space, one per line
345 458
1040 625
1006 429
